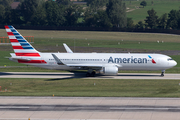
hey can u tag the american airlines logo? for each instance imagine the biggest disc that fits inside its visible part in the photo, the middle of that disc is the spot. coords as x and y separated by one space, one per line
128 60
153 61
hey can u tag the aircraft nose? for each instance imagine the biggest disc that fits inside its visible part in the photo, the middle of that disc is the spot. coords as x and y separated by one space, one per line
174 63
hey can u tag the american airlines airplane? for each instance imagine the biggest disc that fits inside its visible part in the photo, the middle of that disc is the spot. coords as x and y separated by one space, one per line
104 63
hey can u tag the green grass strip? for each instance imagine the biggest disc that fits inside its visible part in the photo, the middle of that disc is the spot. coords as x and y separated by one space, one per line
90 87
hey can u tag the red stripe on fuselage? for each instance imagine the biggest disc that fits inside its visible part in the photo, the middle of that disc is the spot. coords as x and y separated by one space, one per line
28 54
32 61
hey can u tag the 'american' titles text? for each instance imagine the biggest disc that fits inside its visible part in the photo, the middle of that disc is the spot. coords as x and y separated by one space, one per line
128 60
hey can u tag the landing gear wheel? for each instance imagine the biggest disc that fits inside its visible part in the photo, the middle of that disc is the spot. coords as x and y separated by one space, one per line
93 74
162 74
88 74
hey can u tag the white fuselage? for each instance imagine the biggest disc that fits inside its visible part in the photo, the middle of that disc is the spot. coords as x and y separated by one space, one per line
124 61
105 63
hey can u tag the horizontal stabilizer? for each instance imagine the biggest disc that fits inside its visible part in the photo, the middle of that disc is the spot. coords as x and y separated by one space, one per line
19 58
14 57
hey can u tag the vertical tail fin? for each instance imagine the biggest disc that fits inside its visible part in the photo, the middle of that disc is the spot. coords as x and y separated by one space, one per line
20 45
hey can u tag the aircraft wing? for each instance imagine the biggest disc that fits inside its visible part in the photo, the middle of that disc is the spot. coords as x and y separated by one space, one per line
57 60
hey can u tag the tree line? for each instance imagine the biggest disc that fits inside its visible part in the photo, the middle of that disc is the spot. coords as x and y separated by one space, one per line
64 13
98 13
169 20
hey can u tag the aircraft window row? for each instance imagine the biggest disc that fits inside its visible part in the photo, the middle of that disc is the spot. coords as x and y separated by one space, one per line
81 59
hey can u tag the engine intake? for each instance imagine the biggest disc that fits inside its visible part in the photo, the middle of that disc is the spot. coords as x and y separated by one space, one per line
109 70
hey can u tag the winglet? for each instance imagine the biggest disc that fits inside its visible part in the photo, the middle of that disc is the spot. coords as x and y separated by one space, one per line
67 48
57 59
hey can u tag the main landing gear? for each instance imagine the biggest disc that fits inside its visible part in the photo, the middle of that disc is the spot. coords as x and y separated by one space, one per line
162 73
90 73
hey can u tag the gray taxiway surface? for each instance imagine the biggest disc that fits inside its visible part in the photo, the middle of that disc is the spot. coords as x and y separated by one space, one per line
89 108
81 75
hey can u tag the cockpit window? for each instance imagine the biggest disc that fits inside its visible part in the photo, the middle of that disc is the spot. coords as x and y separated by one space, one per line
169 59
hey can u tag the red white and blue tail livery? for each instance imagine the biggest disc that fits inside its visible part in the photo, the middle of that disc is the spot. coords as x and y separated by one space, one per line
20 45
104 63
24 51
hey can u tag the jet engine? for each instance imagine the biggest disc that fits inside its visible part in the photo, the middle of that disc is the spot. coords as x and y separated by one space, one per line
109 70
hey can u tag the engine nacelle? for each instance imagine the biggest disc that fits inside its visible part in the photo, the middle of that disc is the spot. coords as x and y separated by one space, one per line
109 70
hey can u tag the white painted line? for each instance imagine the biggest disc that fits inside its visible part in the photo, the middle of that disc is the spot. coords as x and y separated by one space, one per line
13 107
137 108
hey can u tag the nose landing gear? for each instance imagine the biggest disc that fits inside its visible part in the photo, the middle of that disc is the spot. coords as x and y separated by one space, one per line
162 73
